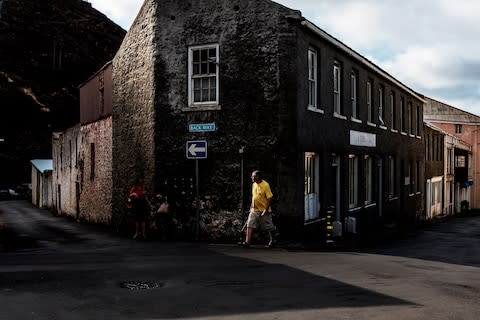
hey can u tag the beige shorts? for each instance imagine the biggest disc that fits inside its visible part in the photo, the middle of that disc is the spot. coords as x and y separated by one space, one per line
255 219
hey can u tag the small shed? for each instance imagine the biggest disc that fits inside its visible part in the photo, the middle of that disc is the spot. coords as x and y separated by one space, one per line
42 182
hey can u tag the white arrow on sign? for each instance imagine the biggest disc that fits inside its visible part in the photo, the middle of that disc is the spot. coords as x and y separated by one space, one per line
193 149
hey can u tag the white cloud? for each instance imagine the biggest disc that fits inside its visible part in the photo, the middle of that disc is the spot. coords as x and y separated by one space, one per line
123 12
430 45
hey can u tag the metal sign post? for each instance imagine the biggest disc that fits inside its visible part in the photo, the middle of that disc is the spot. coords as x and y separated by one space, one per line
197 149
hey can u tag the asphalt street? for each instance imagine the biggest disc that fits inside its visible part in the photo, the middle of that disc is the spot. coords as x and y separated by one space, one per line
54 268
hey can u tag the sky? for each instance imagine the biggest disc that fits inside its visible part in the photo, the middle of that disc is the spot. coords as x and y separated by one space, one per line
432 46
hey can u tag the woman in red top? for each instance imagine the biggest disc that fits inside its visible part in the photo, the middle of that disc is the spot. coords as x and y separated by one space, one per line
139 203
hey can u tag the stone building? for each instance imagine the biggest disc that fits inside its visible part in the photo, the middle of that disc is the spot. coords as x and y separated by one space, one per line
82 155
334 134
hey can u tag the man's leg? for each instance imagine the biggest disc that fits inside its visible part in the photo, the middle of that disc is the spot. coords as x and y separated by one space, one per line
248 236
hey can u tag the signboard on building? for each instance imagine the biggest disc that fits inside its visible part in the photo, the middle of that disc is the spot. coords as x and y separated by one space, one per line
201 127
362 139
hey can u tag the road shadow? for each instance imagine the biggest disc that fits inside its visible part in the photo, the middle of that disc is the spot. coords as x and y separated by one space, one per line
179 281
455 241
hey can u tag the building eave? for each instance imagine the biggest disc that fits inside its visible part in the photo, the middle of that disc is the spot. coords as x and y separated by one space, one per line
340 45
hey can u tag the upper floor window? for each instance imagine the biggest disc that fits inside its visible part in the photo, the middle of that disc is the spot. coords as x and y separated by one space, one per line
203 75
337 80
458 128
393 111
369 101
381 108
419 121
402 114
312 78
410 118
354 90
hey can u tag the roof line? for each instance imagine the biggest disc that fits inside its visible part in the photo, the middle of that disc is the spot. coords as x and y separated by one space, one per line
312 27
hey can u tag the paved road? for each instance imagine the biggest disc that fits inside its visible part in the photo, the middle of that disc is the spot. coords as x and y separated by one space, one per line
58 269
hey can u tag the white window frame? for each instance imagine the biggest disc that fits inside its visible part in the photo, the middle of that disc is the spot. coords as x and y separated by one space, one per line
354 87
410 118
369 102
402 115
192 77
337 81
393 115
381 116
312 186
352 181
312 78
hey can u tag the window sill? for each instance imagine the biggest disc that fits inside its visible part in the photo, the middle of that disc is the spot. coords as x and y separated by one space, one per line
202 107
354 209
316 220
411 136
371 124
370 205
383 127
418 137
394 131
393 199
355 120
339 116
403 133
313 109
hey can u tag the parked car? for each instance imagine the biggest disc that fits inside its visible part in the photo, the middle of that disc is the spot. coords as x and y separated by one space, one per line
9 194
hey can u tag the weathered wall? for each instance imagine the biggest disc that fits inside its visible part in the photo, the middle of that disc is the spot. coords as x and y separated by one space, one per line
447 117
256 65
96 185
66 161
133 109
96 96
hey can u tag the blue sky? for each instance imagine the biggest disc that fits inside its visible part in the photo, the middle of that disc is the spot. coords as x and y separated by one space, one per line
431 46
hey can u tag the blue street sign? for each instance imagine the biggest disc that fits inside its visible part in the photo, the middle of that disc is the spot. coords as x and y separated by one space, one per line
196 149
201 127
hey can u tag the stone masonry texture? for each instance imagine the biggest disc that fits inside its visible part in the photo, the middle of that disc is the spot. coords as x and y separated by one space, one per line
257 106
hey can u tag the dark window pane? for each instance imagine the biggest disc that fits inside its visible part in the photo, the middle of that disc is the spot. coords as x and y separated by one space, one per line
204 56
204 94
213 94
204 68
213 83
196 55
212 68
196 68
196 84
196 96
212 53
205 83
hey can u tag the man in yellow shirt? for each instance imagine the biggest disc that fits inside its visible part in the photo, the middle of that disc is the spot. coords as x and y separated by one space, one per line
260 211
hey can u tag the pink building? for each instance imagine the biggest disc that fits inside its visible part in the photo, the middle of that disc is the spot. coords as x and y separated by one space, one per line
464 126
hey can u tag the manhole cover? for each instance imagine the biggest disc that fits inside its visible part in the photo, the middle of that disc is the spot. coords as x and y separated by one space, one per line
140 285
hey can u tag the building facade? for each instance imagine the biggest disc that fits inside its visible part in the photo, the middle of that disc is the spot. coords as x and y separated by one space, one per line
82 155
464 126
334 134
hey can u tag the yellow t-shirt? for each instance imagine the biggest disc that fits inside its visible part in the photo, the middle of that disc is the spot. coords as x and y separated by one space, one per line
260 194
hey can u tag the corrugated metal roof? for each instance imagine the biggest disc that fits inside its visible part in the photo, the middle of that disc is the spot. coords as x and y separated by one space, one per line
43 165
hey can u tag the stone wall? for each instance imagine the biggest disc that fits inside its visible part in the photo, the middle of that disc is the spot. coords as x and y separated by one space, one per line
133 109
66 171
96 186
257 67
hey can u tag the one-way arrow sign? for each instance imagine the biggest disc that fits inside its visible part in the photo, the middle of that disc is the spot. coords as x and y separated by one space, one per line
196 149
